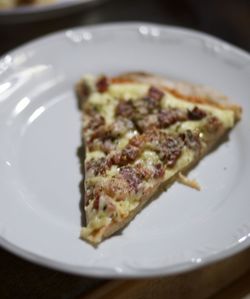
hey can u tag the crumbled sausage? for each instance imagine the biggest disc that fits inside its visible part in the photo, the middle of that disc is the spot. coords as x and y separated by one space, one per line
116 188
168 117
130 175
102 84
148 122
127 155
143 172
170 150
158 171
191 140
196 113
97 166
155 93
95 122
124 108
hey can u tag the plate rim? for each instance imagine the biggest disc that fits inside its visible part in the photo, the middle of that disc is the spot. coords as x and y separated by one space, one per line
134 24
104 272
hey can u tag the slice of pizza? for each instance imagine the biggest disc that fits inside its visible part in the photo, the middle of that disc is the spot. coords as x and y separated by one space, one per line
141 132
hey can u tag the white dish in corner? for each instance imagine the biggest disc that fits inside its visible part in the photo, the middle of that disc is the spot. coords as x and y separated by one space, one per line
29 13
40 132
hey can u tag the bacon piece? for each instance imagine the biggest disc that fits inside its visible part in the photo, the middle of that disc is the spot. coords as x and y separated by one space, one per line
196 113
102 84
100 133
116 188
137 140
124 108
191 140
170 150
148 122
127 155
95 122
163 119
159 171
121 126
155 93
168 117
97 166
103 136
143 172
130 175
151 103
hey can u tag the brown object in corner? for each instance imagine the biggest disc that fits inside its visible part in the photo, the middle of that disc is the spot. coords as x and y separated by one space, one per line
198 284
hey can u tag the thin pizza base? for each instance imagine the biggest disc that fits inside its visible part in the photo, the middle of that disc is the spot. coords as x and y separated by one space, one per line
196 95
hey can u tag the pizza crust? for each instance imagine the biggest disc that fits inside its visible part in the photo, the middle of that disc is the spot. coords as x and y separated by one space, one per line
197 94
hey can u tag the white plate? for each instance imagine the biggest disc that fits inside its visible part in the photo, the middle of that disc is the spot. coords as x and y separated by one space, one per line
39 169
37 12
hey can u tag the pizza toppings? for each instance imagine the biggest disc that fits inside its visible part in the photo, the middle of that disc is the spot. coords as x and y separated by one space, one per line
168 117
95 122
155 93
147 113
136 139
159 171
96 166
131 176
196 113
170 151
149 120
213 124
121 126
102 84
124 108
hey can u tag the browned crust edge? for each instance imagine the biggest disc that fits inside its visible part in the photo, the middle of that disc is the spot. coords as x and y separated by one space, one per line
197 94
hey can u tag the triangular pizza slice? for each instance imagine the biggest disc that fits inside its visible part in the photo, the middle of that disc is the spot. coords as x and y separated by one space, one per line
140 132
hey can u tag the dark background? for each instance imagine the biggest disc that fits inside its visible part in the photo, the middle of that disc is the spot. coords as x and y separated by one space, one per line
227 19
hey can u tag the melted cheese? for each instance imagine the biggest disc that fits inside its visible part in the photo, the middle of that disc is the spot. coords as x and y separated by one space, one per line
95 155
128 91
226 116
185 159
106 103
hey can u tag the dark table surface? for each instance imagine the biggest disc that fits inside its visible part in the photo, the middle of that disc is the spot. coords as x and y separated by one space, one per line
227 19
